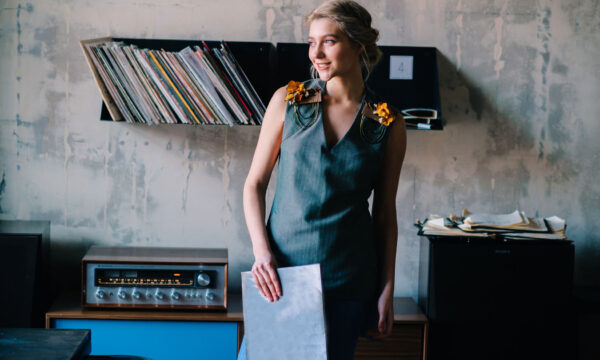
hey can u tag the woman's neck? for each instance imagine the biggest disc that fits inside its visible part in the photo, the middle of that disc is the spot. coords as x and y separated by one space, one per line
346 88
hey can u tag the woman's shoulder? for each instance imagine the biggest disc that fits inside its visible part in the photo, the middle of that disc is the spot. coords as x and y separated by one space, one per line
293 93
387 115
279 94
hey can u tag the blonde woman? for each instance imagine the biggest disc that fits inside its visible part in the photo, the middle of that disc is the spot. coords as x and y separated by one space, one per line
337 142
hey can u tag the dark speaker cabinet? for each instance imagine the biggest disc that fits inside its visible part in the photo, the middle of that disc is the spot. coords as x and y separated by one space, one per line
24 268
497 299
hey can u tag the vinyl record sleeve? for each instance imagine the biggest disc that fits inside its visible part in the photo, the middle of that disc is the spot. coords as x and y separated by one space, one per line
292 327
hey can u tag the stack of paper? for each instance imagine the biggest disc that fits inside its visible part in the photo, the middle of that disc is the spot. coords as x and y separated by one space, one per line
515 221
515 225
443 227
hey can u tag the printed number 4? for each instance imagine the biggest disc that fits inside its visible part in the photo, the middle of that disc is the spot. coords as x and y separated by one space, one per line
401 67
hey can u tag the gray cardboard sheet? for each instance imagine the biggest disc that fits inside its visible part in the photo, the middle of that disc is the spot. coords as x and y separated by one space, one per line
292 327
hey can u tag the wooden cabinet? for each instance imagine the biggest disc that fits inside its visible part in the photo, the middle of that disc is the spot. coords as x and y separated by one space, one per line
154 334
212 334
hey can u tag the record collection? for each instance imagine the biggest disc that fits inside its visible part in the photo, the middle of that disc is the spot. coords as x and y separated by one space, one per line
196 85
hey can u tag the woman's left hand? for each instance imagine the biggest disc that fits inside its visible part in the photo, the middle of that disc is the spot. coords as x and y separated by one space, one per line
385 306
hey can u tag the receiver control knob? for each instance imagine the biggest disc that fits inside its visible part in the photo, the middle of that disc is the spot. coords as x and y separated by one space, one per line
137 295
175 295
203 279
210 296
122 295
159 295
100 294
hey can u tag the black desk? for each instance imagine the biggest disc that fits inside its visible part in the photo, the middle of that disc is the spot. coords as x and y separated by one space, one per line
495 299
48 344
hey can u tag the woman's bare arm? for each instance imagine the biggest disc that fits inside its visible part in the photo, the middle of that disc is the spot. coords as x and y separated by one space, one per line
386 223
255 187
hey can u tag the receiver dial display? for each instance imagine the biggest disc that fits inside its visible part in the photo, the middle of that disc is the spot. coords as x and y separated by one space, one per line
144 278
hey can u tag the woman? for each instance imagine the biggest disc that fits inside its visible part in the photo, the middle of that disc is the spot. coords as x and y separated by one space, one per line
336 142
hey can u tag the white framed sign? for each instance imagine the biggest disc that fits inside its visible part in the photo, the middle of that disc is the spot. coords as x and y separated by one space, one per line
401 67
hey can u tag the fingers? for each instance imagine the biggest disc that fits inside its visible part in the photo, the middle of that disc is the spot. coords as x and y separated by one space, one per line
267 281
384 326
270 286
261 284
275 281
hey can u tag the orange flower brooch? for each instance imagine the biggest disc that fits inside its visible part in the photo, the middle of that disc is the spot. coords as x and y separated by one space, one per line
379 112
296 92
385 115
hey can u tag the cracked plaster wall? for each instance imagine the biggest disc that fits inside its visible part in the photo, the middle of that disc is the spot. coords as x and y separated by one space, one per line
519 86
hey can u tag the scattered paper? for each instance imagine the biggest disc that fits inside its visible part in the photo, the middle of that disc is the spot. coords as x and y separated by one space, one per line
515 225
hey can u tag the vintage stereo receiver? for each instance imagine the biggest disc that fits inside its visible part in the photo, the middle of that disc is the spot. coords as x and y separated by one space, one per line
154 277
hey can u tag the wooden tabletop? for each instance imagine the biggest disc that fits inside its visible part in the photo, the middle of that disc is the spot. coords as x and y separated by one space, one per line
406 311
68 306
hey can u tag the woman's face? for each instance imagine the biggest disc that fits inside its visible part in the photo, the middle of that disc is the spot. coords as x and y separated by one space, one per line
330 50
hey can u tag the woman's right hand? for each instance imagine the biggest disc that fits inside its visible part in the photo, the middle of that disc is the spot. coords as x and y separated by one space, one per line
265 276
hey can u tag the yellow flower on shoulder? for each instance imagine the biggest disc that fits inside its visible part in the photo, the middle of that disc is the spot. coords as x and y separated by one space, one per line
295 91
385 115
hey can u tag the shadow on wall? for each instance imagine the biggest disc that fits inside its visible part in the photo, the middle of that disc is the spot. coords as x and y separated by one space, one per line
462 95
457 104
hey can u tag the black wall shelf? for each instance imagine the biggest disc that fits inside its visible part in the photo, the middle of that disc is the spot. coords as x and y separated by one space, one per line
269 67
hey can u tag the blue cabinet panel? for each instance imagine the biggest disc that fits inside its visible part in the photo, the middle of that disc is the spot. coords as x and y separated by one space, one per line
159 340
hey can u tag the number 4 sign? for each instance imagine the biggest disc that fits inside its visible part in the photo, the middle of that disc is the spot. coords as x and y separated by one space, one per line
401 67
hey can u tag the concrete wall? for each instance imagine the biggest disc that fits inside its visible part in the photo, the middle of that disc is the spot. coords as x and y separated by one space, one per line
519 85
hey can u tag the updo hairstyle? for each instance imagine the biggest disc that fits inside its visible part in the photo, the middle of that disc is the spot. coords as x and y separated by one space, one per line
354 21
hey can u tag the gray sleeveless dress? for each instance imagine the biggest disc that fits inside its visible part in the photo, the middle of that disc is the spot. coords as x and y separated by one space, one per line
320 212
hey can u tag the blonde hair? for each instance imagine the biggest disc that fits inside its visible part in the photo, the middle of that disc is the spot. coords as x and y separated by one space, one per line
354 21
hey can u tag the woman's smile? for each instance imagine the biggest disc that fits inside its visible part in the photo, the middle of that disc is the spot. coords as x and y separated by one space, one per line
322 66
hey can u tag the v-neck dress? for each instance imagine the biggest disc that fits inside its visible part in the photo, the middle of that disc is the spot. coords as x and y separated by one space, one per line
320 211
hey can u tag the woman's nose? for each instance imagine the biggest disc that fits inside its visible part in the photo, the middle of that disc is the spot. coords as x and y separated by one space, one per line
318 52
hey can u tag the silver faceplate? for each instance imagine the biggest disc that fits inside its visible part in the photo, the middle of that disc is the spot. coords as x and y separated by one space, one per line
149 296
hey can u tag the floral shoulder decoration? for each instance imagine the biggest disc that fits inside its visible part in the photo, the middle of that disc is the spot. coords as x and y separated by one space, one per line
379 112
297 93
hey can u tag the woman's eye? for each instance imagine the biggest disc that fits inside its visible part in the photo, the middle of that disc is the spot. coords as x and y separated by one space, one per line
311 43
330 42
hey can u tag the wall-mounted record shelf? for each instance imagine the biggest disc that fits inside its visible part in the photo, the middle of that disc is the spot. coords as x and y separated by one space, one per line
255 58
406 77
